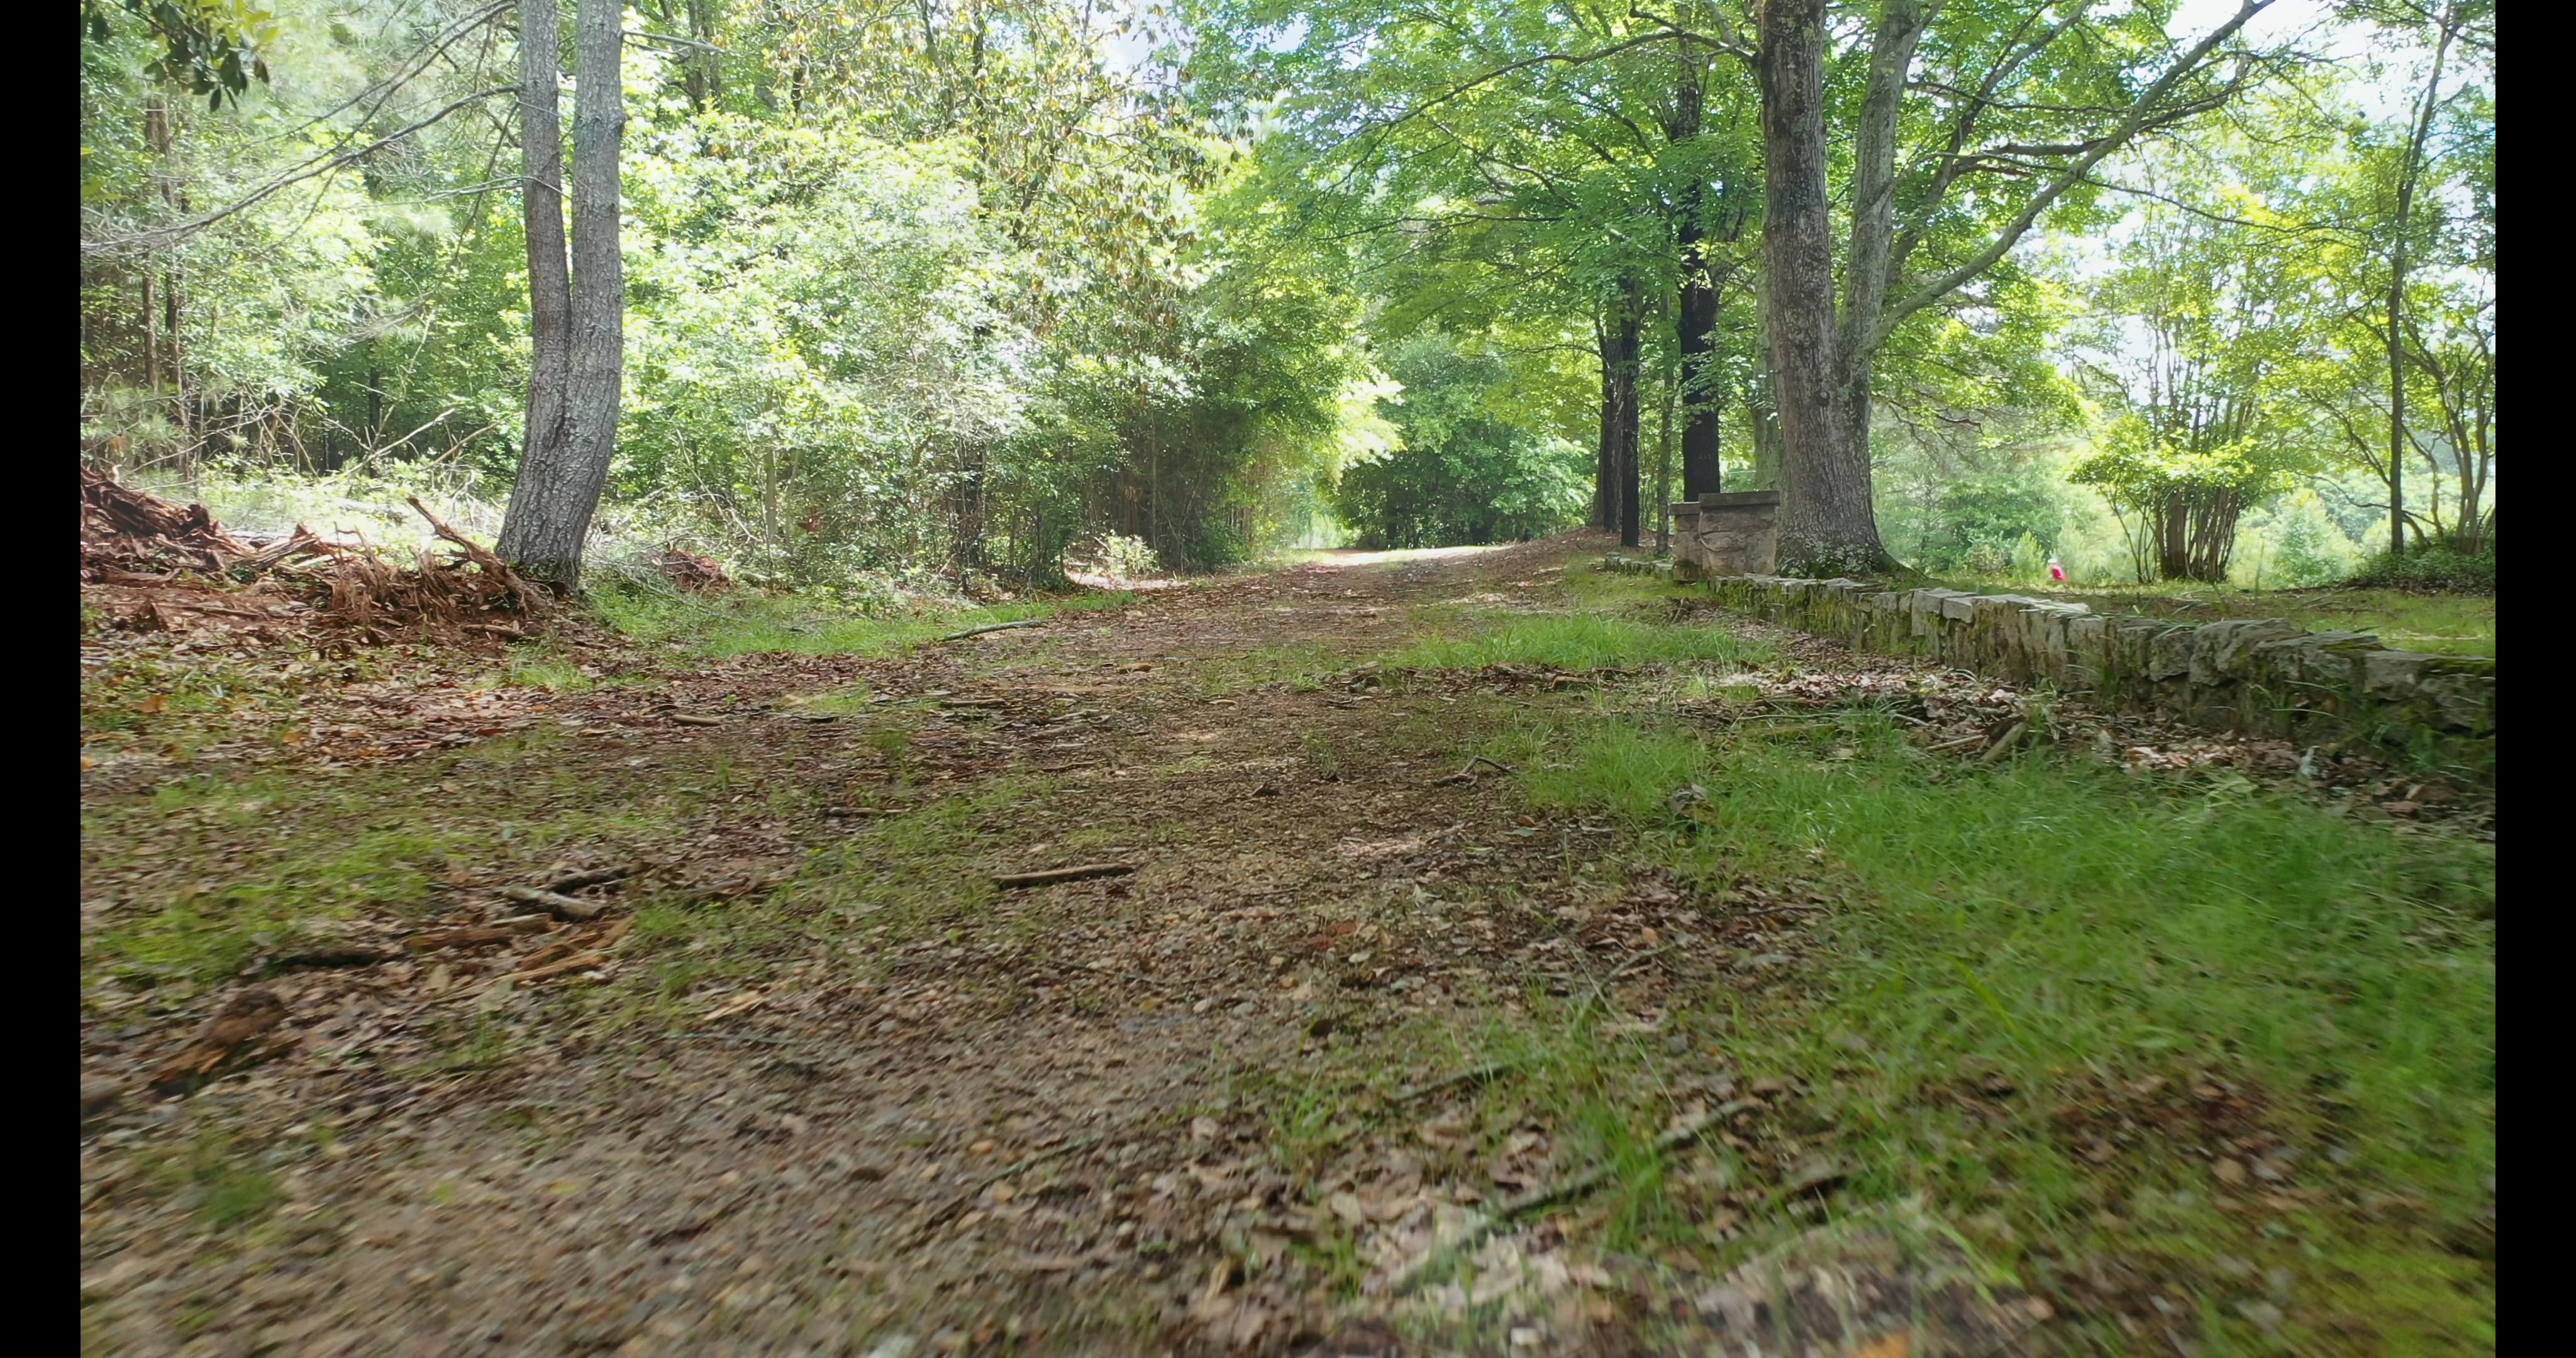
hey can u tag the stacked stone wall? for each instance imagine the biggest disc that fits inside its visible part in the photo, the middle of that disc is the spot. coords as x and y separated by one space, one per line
2265 677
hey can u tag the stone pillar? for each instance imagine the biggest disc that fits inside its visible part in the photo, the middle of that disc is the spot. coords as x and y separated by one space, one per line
1685 536
1726 534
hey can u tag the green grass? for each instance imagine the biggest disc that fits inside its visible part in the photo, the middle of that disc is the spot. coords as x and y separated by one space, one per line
2437 624
1577 642
745 622
854 701
213 1176
2065 926
272 853
894 881
545 668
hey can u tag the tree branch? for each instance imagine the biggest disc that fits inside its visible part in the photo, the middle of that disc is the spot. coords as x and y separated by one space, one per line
165 235
2141 114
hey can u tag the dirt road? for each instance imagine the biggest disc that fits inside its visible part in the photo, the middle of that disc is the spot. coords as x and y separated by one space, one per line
811 1082
900 1105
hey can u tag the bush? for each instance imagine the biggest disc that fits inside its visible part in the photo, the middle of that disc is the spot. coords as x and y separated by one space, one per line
2306 547
1986 519
1468 469
1116 556
2432 566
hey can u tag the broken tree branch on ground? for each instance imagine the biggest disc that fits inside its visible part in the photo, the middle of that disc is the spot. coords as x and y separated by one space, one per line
1051 876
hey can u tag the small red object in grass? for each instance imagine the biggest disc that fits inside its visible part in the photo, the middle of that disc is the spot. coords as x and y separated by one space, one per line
2056 572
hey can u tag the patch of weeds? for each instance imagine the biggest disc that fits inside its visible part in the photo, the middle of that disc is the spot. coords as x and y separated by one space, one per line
901 878
1321 751
276 853
1564 1087
200 937
555 673
226 1191
1096 600
2055 930
1307 1125
486 1042
853 701
517 745
891 738
743 622
1580 641
1594 588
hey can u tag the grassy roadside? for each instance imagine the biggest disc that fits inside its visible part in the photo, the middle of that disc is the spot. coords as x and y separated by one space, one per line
2184 1054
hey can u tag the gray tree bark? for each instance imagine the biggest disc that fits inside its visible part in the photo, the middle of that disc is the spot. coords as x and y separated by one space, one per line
549 275
1826 523
2407 177
1821 361
552 505
1605 457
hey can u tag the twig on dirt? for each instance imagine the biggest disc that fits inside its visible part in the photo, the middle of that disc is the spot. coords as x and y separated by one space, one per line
2003 745
692 719
1637 961
1467 772
1969 739
594 877
1563 1190
1051 876
1482 1074
991 627
580 962
352 955
571 909
952 1206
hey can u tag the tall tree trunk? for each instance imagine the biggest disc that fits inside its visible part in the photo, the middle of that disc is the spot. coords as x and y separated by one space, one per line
2406 184
1605 462
1695 312
1870 272
1626 348
1695 325
1826 523
555 498
151 331
2173 554
549 275
1759 417
1664 463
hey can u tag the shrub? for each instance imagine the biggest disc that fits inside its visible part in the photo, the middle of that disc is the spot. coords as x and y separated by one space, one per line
2432 566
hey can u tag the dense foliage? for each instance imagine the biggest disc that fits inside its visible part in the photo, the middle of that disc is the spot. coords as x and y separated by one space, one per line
973 288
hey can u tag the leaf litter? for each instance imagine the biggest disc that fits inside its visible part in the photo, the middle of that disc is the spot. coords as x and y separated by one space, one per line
805 1077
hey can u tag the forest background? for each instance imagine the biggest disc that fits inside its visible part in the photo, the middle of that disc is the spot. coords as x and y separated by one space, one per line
957 295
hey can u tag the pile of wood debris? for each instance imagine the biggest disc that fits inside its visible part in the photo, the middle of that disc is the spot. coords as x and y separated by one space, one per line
136 544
